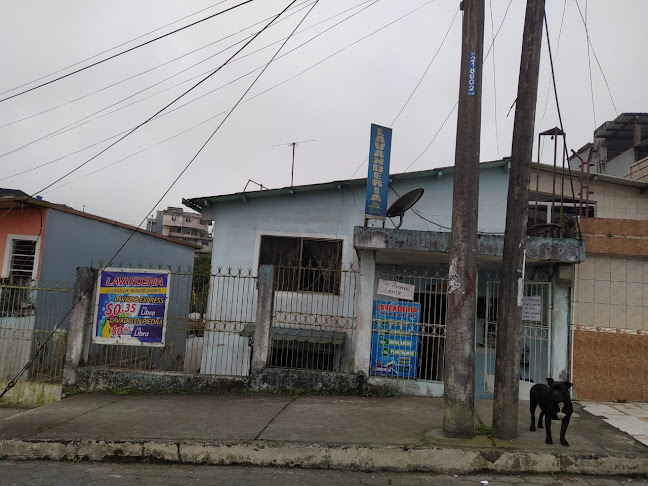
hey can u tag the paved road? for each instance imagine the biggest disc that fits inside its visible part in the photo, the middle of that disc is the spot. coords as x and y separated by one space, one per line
45 473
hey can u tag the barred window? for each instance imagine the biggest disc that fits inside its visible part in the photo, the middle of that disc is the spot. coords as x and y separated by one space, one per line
22 259
303 264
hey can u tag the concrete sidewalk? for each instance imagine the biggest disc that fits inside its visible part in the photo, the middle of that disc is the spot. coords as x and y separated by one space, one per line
399 434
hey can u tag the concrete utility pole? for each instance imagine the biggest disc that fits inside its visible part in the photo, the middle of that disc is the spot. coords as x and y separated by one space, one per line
509 319
459 375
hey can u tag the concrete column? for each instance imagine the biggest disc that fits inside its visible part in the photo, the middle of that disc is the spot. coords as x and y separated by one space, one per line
79 317
560 325
362 360
263 326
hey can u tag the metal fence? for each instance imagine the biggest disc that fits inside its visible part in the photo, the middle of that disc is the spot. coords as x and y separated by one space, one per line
207 318
314 318
29 312
412 351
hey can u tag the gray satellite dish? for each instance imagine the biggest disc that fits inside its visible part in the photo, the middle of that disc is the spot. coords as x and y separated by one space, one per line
404 203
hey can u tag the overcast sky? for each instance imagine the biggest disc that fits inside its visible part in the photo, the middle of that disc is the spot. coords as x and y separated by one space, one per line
333 103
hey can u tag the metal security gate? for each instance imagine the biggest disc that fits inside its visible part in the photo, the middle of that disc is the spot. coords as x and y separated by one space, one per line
535 346
405 350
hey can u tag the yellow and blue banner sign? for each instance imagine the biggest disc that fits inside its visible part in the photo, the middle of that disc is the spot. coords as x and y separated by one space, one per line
131 307
378 177
394 338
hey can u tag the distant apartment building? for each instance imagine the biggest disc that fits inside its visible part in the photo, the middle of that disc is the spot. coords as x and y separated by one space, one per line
183 226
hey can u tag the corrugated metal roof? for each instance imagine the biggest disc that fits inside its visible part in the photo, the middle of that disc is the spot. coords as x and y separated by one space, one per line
622 126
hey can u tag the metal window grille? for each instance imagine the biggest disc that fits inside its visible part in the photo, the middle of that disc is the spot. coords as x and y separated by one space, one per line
303 264
314 329
23 256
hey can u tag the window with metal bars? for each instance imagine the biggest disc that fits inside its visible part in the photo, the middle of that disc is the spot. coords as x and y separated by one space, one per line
303 264
22 259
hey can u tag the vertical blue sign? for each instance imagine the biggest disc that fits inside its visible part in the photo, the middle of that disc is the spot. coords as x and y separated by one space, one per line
394 338
378 177
472 72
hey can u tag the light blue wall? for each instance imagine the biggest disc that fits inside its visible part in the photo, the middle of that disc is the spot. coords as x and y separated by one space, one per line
334 213
73 241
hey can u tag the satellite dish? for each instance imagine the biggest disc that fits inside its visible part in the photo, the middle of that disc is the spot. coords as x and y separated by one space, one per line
403 203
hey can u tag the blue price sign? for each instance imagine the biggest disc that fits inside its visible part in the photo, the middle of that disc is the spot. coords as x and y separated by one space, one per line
394 338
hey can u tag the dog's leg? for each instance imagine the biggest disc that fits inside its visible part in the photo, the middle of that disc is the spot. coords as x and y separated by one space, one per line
542 414
563 430
547 418
533 409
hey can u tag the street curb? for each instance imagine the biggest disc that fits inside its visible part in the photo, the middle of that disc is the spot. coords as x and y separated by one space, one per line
347 457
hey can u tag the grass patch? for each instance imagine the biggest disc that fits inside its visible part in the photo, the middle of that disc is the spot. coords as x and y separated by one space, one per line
484 430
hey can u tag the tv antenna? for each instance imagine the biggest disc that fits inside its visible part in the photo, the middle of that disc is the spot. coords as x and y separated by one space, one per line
404 203
294 146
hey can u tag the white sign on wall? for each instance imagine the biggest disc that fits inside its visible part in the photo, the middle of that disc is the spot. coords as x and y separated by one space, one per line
532 308
397 290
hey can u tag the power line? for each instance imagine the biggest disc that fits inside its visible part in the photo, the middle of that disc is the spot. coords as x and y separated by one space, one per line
81 122
427 68
161 110
42 345
435 136
256 95
589 41
457 103
126 51
114 47
589 67
141 73
490 8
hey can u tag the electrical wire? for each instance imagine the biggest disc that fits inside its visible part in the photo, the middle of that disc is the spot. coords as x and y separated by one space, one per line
589 41
81 122
12 382
150 118
114 47
435 136
490 8
141 73
252 97
589 67
457 103
555 89
546 103
126 51
426 69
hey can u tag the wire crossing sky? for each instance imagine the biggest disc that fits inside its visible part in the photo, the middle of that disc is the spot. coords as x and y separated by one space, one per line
330 89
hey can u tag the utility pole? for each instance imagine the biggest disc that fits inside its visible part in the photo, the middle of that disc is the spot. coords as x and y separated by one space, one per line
509 320
459 375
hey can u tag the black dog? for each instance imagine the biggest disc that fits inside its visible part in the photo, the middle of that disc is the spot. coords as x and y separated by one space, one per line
555 404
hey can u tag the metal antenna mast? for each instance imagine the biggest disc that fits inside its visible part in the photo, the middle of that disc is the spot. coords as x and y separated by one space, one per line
294 146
